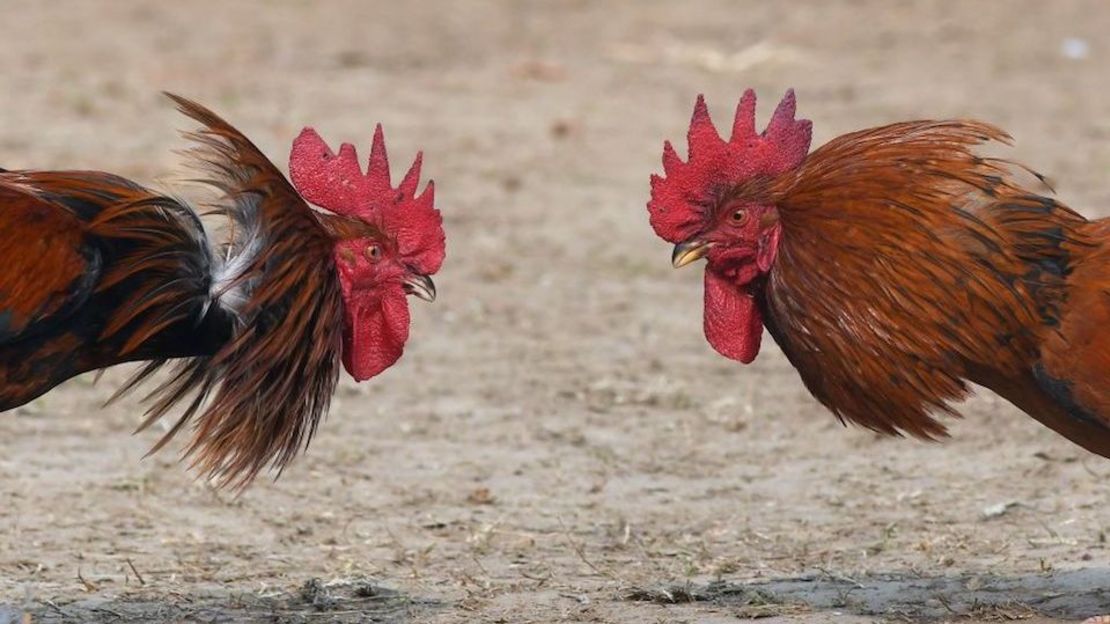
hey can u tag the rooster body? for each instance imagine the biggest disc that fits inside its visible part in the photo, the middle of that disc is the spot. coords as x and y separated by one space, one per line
70 263
1072 393
893 266
96 270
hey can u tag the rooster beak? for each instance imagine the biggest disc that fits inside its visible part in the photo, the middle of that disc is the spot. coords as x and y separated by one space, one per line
691 250
421 286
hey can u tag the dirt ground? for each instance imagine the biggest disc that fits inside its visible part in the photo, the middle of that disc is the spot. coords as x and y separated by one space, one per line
559 443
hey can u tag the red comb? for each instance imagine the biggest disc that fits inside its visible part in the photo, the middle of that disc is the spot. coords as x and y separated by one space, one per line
337 184
679 196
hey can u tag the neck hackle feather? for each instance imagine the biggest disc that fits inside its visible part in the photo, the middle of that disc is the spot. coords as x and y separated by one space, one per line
258 399
909 265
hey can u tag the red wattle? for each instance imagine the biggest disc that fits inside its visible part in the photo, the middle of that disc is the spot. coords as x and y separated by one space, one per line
733 322
374 340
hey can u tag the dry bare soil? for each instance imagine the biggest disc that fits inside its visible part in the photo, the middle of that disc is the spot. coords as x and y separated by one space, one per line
559 443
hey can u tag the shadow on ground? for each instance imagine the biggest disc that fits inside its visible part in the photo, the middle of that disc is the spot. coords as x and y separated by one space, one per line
1067 595
317 602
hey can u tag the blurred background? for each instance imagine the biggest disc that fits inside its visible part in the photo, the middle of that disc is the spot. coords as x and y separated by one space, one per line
558 436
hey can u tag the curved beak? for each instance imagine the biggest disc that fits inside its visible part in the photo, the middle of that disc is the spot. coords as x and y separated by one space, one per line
689 251
421 286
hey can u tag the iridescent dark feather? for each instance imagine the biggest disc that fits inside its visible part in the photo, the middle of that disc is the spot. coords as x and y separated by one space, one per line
81 279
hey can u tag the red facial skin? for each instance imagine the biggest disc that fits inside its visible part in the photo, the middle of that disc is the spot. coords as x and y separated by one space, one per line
744 243
376 312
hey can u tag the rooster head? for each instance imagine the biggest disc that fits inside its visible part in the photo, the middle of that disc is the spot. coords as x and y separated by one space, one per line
715 206
399 243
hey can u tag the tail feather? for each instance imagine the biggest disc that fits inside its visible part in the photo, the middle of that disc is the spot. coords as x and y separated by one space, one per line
168 259
159 262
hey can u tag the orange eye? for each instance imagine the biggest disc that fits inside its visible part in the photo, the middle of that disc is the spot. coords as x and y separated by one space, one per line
374 253
740 217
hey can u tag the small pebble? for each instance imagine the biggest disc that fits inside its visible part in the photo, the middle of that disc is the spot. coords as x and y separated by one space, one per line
1075 48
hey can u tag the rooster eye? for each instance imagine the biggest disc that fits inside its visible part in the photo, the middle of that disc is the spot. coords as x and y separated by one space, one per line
739 217
374 253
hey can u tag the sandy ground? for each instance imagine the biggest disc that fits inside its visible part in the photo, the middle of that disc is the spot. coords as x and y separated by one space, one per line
559 443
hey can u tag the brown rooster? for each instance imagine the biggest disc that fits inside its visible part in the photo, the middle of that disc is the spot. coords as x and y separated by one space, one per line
892 266
96 270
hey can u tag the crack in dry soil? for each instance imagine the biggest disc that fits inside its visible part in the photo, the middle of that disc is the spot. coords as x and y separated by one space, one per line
337 602
1069 595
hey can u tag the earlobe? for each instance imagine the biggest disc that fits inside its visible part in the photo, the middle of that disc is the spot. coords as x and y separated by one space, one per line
345 255
768 249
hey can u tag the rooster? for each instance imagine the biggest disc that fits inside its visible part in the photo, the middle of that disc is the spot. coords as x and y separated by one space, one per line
96 270
893 266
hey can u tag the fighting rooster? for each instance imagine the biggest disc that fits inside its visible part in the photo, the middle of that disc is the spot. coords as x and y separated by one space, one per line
96 270
892 266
